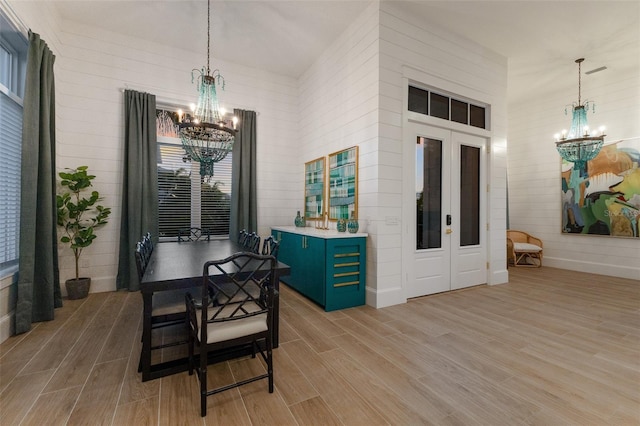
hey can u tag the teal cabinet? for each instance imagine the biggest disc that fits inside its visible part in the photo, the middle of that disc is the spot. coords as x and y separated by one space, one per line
329 271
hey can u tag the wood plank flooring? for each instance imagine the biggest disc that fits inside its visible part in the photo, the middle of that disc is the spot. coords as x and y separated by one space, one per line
552 347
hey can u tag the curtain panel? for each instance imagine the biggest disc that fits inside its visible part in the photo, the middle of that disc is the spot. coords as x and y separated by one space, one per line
38 279
140 183
244 209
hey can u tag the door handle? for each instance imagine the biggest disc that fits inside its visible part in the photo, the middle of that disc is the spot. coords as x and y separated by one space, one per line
448 231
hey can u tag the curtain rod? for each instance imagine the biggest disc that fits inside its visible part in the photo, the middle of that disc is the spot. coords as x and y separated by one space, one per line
164 102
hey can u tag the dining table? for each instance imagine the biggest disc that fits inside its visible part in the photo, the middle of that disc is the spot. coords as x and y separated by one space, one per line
179 265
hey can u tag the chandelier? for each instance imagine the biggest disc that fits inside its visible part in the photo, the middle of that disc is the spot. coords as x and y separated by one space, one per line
581 144
207 136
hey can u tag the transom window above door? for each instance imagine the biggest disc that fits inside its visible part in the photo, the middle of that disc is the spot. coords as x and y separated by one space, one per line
447 107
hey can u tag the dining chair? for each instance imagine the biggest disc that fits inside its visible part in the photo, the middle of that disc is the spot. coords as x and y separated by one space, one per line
270 246
167 307
193 234
252 243
242 237
235 318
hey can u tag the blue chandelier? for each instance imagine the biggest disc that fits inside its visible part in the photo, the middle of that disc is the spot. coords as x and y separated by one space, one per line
581 144
208 136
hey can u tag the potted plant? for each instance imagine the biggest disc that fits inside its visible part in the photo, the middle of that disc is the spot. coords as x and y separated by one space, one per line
79 216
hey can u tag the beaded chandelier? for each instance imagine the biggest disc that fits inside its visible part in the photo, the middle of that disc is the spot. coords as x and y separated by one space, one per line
581 144
207 136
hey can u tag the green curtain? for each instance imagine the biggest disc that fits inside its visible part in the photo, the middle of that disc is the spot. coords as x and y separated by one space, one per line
38 279
139 183
244 209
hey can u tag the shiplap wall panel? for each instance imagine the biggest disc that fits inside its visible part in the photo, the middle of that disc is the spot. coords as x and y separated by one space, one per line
339 108
534 169
93 66
459 66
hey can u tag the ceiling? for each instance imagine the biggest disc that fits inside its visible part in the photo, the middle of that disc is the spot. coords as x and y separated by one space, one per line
540 39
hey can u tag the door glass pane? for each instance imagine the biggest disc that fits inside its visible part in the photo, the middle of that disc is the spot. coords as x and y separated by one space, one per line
469 195
428 193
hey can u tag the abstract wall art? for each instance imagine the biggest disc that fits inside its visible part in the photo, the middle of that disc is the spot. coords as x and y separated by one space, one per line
603 198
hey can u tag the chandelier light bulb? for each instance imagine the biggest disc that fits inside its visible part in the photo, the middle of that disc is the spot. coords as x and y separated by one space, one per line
192 106
556 137
223 112
180 113
235 121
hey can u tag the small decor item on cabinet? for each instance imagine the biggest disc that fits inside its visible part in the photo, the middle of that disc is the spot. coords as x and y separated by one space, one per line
352 224
300 221
341 225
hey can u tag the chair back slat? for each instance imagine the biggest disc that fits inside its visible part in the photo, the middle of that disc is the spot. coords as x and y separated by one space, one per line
142 254
240 286
270 247
193 234
242 237
252 243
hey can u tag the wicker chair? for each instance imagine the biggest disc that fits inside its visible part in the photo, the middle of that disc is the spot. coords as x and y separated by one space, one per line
523 249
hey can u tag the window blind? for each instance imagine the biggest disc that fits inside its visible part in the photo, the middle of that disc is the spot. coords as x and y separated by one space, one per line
185 201
10 146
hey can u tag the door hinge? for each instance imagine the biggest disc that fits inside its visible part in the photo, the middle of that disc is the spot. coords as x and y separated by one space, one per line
487 187
488 265
487 226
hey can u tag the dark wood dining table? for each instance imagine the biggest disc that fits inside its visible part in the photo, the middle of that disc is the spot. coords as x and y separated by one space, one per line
179 265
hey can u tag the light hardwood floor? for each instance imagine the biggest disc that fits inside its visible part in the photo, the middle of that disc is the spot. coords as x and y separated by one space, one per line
552 347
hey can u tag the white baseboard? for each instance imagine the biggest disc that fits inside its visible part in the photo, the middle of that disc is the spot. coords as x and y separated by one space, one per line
384 298
499 277
632 273
7 326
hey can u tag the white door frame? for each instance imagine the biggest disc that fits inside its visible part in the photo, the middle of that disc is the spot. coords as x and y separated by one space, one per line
447 263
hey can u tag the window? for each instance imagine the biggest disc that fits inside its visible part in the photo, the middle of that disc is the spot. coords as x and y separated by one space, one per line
13 56
447 108
184 199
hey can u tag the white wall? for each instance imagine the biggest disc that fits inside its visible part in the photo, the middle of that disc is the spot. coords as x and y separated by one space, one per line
353 95
93 66
339 109
534 168
433 56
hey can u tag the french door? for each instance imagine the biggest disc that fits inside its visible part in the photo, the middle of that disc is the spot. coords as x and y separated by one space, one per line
444 204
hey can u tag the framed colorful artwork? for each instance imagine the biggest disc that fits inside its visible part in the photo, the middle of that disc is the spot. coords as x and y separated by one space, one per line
314 188
343 184
603 198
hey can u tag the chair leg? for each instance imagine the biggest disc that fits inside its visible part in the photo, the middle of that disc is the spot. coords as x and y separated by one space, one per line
270 363
203 392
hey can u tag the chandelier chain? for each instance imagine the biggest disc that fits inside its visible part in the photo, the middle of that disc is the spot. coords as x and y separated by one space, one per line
208 33
579 81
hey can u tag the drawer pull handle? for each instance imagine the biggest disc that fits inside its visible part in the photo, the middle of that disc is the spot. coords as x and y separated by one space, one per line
346 274
347 283
342 265
346 254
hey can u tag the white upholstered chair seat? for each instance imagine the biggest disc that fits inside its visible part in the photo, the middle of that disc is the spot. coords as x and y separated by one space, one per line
228 330
527 247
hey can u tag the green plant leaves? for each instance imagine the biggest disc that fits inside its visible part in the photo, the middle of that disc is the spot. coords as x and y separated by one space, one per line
77 214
